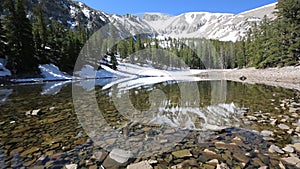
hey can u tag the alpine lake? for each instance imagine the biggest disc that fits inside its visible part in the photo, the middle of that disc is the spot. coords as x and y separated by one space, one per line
212 124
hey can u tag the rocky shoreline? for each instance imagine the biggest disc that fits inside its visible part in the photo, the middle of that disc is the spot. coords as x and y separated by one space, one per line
286 77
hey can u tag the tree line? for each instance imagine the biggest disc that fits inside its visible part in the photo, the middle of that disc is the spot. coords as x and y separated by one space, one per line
275 42
27 43
40 40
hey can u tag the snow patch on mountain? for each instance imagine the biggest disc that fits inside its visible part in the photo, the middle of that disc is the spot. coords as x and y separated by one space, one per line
260 12
221 26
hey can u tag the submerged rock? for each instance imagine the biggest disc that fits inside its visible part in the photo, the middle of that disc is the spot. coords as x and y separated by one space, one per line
182 153
222 166
266 133
288 149
121 156
291 160
283 127
297 147
35 112
141 165
71 166
274 149
30 151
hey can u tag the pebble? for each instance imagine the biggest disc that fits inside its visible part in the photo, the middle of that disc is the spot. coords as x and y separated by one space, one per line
99 155
291 160
35 112
209 152
163 141
17 150
71 166
274 149
121 156
51 108
140 165
273 122
28 113
30 151
293 110
263 167
266 133
297 147
237 140
252 118
283 127
281 165
241 157
111 141
288 149
297 129
182 153
213 162
268 138
222 166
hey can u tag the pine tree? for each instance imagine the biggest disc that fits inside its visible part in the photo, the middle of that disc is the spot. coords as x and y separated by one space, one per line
288 22
3 46
123 48
56 37
138 45
40 34
20 39
131 49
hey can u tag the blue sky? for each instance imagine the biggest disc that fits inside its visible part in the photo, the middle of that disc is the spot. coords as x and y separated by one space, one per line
174 7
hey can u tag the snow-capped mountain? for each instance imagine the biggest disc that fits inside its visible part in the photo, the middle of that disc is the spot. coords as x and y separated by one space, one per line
131 23
260 12
221 26
67 12
74 13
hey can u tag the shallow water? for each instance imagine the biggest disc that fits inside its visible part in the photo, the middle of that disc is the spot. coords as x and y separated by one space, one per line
150 122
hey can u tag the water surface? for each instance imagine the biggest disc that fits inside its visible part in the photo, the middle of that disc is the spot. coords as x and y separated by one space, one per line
134 118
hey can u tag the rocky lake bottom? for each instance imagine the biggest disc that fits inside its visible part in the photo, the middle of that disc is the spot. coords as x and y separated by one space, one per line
234 125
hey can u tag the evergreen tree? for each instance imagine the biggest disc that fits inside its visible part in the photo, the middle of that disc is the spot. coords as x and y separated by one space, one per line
113 61
20 39
40 34
56 37
3 46
123 48
288 13
138 45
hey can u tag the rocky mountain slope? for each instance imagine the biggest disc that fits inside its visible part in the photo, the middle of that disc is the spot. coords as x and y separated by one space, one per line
73 13
222 26
225 27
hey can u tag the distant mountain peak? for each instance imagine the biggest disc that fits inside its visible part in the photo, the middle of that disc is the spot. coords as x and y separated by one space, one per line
221 26
260 12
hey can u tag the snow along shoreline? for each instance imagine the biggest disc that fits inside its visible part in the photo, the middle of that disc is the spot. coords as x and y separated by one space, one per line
286 77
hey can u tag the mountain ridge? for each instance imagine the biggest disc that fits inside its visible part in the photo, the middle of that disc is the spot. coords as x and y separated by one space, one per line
221 26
